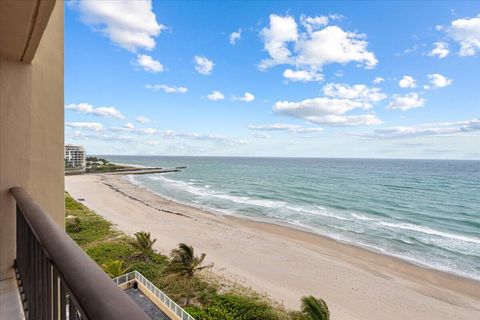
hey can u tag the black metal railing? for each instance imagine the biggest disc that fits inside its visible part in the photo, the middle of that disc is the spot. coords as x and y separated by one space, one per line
57 280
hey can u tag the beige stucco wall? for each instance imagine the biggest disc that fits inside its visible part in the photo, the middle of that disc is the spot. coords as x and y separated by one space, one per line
32 132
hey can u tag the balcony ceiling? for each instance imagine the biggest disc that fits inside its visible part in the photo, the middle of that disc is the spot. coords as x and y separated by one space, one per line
22 23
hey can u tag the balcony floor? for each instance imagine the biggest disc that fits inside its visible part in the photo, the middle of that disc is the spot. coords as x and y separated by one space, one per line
146 304
10 303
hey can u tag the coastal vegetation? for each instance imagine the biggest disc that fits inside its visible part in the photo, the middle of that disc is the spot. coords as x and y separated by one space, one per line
96 160
185 264
144 244
95 164
115 268
183 275
315 308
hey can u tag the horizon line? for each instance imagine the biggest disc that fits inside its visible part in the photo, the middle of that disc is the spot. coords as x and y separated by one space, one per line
283 157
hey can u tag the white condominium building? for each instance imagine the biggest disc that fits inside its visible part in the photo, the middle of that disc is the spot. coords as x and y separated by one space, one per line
74 156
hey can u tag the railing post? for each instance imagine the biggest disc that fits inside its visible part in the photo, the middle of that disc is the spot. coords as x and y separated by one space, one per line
169 303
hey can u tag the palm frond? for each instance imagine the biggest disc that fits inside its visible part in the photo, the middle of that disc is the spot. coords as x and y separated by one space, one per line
143 243
115 268
184 263
315 308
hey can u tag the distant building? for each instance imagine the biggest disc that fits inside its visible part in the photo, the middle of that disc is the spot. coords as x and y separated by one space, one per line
74 156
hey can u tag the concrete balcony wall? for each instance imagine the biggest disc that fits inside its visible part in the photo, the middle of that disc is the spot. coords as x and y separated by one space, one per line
31 118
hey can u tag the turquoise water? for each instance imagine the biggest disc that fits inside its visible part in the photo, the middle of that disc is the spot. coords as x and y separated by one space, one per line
423 211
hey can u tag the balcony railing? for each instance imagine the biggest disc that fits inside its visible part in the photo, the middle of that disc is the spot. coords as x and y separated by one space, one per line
57 280
136 276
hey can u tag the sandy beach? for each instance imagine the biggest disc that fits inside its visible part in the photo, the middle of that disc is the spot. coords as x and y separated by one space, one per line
283 262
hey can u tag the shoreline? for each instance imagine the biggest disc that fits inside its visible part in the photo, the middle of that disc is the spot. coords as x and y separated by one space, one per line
286 225
296 262
295 233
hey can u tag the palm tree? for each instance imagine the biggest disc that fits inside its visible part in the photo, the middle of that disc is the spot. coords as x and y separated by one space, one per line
315 308
115 268
185 264
144 244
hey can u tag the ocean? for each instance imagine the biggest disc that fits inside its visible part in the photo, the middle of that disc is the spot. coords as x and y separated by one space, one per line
423 211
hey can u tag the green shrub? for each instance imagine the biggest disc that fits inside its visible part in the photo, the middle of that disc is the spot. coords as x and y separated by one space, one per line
196 312
150 270
210 313
234 307
91 226
176 288
104 252
72 204
298 315
115 268
158 258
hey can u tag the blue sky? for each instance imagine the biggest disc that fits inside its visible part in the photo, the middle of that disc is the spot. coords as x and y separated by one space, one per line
307 79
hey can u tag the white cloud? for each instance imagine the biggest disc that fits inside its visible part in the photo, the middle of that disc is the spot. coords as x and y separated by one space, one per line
334 45
302 75
235 36
94 126
130 127
307 130
281 31
439 81
75 134
432 129
100 112
114 138
315 47
143 119
440 49
466 32
215 96
359 92
217 139
378 80
274 127
313 23
261 135
247 97
147 130
166 89
203 65
412 49
129 24
407 82
327 111
406 102
285 127
149 64
121 138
